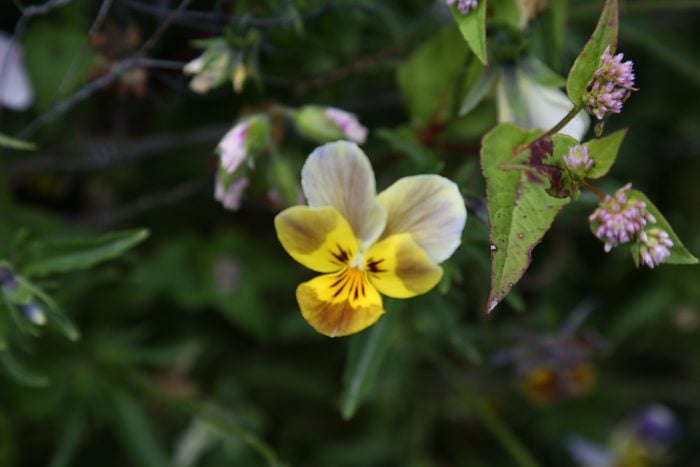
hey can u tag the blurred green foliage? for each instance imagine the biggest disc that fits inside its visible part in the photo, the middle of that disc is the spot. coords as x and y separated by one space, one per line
192 348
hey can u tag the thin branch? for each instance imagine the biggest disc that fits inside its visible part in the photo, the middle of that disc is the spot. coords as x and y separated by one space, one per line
91 88
163 27
209 17
96 25
149 202
138 59
44 8
340 74
82 94
100 154
27 13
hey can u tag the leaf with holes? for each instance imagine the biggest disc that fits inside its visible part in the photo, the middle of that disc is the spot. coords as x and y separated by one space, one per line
520 210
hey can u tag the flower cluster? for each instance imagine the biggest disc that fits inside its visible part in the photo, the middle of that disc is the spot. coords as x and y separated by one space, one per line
366 244
464 6
611 85
578 161
620 219
654 247
555 366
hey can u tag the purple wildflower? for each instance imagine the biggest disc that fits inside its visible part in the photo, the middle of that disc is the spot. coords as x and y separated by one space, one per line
655 425
229 194
578 161
611 85
348 124
464 6
654 246
619 219
232 147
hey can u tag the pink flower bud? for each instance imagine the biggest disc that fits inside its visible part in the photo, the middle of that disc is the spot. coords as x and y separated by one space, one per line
464 6
654 247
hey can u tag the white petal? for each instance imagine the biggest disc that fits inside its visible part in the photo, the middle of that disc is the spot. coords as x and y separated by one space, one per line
15 88
544 108
430 208
340 175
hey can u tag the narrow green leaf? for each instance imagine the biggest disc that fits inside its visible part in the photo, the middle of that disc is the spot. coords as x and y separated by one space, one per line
604 151
405 143
136 432
72 432
507 12
679 253
541 73
63 255
478 91
19 373
555 18
587 62
428 78
473 29
365 358
14 143
520 210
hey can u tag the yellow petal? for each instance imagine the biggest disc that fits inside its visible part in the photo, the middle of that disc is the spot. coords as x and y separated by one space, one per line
399 268
318 238
340 304
340 175
430 208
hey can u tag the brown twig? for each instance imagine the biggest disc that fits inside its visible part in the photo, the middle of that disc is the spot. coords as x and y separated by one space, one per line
96 25
358 66
138 59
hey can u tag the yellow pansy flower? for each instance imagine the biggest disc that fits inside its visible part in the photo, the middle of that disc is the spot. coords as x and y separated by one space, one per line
363 243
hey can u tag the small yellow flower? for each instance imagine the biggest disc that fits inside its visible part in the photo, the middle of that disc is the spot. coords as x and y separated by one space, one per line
364 243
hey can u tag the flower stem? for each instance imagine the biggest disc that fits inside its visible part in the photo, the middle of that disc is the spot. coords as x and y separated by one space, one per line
562 123
211 414
601 196
552 131
495 425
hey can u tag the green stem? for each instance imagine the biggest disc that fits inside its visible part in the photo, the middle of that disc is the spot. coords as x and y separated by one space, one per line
601 196
562 123
212 416
552 131
495 425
